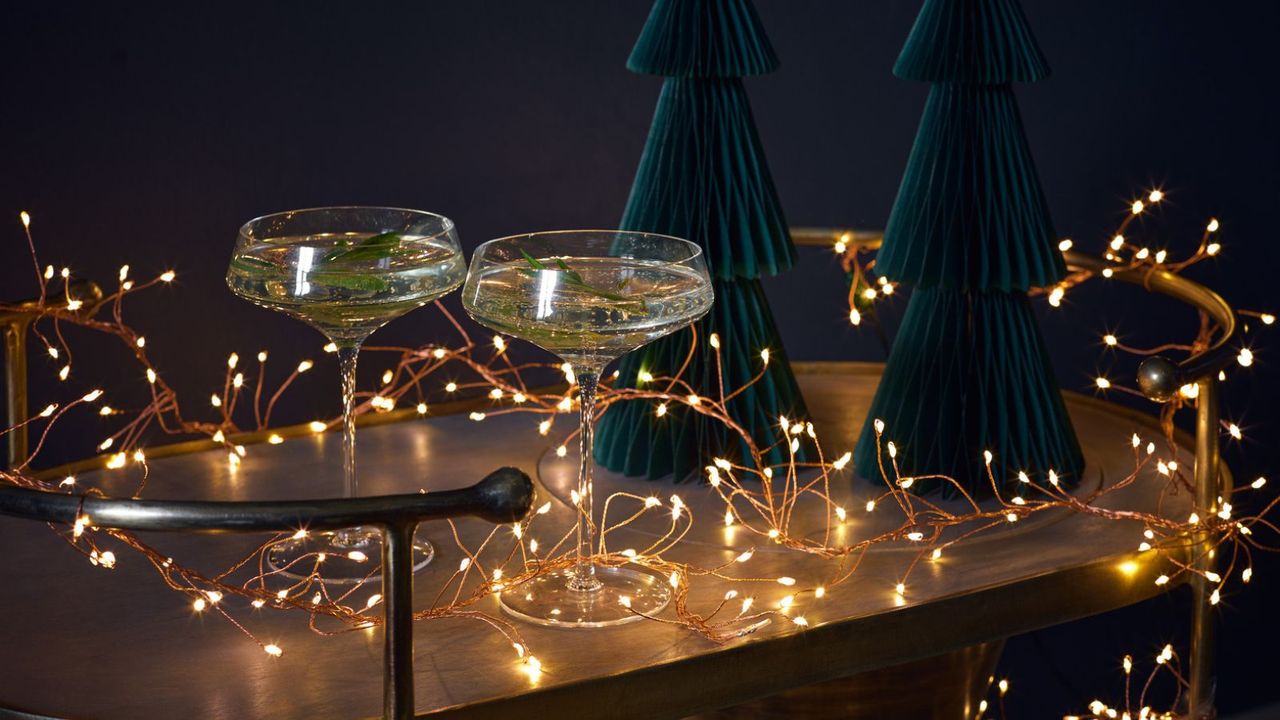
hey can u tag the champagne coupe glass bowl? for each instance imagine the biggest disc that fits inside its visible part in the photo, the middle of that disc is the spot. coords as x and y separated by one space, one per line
346 271
588 296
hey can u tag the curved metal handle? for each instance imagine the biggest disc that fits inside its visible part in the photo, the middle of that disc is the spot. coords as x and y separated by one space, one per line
1160 378
505 495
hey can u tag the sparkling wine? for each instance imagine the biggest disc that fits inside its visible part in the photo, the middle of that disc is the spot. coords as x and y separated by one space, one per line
588 310
346 285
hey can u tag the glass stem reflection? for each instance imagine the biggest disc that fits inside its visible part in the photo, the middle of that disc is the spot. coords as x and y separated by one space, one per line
347 355
347 367
584 571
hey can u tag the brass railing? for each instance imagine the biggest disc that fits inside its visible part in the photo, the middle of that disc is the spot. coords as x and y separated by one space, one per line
1159 379
14 321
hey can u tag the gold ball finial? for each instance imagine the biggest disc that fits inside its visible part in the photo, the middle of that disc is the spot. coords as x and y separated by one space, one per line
1158 378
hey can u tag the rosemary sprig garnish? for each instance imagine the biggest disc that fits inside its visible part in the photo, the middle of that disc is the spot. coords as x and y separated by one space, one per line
574 279
375 247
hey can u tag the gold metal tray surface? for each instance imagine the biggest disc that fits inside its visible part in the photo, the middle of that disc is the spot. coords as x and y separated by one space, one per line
117 644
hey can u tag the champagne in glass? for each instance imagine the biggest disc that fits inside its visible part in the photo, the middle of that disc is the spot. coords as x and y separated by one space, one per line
589 296
346 271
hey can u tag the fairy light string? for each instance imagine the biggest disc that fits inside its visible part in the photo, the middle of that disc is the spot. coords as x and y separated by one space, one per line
760 501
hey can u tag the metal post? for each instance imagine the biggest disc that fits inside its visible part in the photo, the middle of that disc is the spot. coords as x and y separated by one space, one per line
15 384
397 629
1201 677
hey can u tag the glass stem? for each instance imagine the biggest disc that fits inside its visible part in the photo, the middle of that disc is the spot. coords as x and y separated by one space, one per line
584 570
347 367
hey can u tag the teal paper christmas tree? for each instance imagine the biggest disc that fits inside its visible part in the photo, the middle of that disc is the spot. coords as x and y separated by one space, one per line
970 229
703 177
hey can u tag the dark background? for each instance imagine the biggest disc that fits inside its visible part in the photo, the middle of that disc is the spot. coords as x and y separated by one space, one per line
148 134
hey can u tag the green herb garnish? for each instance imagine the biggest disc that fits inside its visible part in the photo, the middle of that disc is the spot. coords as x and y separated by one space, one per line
376 247
574 279
379 246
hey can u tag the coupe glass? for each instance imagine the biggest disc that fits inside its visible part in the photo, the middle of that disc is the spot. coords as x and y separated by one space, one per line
346 271
589 296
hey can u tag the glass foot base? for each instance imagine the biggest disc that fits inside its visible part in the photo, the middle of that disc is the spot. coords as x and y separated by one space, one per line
549 600
343 557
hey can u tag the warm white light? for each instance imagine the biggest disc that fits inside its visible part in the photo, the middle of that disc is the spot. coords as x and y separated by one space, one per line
842 461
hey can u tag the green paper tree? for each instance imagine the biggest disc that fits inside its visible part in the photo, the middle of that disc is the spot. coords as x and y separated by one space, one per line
703 177
971 230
